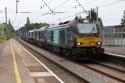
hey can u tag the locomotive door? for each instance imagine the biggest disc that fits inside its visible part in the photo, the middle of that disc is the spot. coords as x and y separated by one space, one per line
69 37
62 37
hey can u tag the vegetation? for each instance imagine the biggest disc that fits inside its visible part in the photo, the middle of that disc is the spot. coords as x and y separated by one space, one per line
29 26
6 31
123 19
94 16
1 39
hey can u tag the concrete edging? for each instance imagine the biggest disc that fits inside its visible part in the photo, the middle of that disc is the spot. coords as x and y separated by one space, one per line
115 55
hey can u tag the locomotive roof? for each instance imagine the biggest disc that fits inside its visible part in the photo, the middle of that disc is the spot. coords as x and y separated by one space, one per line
81 21
33 30
42 28
59 26
64 25
70 23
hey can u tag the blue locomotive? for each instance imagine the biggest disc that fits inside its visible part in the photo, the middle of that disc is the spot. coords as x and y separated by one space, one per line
78 39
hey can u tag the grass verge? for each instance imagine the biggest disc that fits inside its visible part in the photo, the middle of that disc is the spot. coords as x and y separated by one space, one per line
1 39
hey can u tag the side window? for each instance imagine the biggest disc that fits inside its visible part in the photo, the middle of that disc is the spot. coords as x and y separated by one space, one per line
69 37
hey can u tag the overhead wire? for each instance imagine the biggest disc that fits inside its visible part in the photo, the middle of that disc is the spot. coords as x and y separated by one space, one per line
61 4
104 6
57 7
85 11
49 7
107 5
81 6
66 2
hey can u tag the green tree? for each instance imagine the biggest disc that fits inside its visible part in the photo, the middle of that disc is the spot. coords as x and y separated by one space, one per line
6 31
93 16
123 19
29 26
76 18
28 21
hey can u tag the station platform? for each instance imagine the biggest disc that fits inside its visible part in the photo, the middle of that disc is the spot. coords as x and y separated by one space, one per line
115 50
18 65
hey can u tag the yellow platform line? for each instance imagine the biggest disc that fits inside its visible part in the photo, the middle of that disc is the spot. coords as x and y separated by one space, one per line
17 75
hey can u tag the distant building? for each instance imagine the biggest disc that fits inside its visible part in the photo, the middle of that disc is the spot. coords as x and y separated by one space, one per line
114 31
113 35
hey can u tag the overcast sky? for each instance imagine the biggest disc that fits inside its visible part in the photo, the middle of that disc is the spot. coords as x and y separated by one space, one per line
111 11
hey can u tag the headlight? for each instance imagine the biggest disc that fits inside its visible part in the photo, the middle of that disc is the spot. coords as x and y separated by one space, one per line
99 43
79 43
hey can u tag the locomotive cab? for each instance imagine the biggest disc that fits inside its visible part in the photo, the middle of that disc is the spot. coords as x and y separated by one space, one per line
87 39
88 35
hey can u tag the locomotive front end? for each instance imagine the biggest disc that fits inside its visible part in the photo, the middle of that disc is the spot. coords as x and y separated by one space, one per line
88 41
88 35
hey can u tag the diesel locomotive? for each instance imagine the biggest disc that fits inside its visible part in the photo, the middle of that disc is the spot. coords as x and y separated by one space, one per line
77 39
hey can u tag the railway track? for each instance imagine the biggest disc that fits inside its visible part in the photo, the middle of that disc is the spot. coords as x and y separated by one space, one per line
94 72
111 66
110 73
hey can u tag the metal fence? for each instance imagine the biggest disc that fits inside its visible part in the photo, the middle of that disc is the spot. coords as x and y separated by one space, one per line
113 35
113 41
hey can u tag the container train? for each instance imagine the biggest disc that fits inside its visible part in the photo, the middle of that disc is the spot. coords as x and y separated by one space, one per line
77 39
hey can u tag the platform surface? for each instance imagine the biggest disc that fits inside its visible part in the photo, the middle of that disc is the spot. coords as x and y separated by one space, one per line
18 65
115 50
